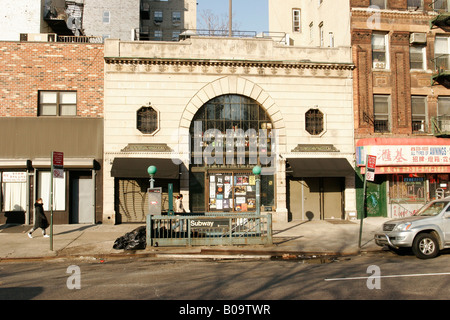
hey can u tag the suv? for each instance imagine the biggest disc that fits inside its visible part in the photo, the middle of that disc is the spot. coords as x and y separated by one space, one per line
426 232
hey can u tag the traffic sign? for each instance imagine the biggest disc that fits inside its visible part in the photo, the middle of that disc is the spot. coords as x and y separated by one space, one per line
370 168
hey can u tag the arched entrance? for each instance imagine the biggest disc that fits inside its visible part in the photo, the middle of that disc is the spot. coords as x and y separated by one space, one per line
230 134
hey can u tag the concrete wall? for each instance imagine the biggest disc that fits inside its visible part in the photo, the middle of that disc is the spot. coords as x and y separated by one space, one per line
124 16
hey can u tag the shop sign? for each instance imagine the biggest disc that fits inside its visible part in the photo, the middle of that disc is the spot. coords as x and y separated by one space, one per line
14 177
209 223
410 169
401 155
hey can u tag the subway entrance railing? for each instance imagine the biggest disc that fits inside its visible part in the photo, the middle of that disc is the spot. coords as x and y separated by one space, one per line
217 229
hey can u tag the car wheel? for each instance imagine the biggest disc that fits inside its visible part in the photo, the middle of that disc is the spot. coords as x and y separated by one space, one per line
425 246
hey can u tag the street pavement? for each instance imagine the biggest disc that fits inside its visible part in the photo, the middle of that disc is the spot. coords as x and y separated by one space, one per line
95 241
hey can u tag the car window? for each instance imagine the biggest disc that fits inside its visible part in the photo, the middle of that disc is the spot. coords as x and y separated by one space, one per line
432 209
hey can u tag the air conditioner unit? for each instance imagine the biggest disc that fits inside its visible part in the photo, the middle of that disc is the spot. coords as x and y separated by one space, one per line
38 37
418 38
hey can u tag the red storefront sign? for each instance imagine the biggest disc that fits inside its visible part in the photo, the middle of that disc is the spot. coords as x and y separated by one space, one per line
409 169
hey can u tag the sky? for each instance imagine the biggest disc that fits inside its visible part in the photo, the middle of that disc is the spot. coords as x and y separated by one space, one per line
248 15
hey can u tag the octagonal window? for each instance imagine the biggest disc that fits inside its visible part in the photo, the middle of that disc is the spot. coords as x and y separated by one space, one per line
314 122
147 120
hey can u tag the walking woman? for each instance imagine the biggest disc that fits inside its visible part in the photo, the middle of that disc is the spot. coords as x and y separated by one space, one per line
40 221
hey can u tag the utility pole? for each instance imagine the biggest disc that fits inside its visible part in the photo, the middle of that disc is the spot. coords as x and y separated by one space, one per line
230 19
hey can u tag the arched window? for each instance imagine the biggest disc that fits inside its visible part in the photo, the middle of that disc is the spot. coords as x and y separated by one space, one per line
236 132
231 119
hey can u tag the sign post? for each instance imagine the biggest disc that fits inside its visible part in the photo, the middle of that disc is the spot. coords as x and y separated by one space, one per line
57 171
368 176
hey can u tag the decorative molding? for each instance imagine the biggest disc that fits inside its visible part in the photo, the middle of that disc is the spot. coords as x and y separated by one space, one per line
147 147
315 148
146 65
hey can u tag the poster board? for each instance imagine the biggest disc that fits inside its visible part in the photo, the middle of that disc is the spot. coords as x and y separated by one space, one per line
232 191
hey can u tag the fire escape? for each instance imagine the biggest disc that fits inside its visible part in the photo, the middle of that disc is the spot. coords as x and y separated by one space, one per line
65 19
441 64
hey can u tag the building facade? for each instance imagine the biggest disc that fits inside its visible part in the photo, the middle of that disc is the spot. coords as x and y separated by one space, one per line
400 52
51 100
401 98
205 121
166 20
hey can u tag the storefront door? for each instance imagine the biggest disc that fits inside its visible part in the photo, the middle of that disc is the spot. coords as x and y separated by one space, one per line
83 208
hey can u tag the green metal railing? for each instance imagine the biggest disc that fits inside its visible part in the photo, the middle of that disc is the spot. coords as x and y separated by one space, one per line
216 229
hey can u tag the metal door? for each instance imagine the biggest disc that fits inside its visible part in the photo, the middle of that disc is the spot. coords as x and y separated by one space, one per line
295 199
332 198
312 199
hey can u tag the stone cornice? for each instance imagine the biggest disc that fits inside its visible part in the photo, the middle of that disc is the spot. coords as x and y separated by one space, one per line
394 13
301 64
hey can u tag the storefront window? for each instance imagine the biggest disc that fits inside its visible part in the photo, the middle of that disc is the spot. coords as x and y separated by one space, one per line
439 186
407 188
59 191
14 191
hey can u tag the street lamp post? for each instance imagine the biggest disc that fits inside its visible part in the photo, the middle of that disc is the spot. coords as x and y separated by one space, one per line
257 173
151 171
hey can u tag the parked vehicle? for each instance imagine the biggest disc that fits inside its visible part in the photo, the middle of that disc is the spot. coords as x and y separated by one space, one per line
427 232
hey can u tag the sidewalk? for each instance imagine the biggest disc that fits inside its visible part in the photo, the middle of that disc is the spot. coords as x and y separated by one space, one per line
296 238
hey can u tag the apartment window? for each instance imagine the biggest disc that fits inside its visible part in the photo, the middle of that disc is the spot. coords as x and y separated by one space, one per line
379 51
57 103
296 26
419 114
443 114
440 5
331 36
381 113
443 106
176 17
176 35
311 31
321 35
106 17
415 4
158 16
417 57
147 120
314 123
158 35
441 53
378 3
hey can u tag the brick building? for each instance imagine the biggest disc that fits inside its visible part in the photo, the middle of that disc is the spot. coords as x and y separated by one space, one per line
51 100
400 49
401 99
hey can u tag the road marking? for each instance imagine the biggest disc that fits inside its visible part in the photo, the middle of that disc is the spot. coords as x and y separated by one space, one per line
391 276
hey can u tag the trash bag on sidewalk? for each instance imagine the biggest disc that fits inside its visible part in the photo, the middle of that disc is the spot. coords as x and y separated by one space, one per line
133 240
